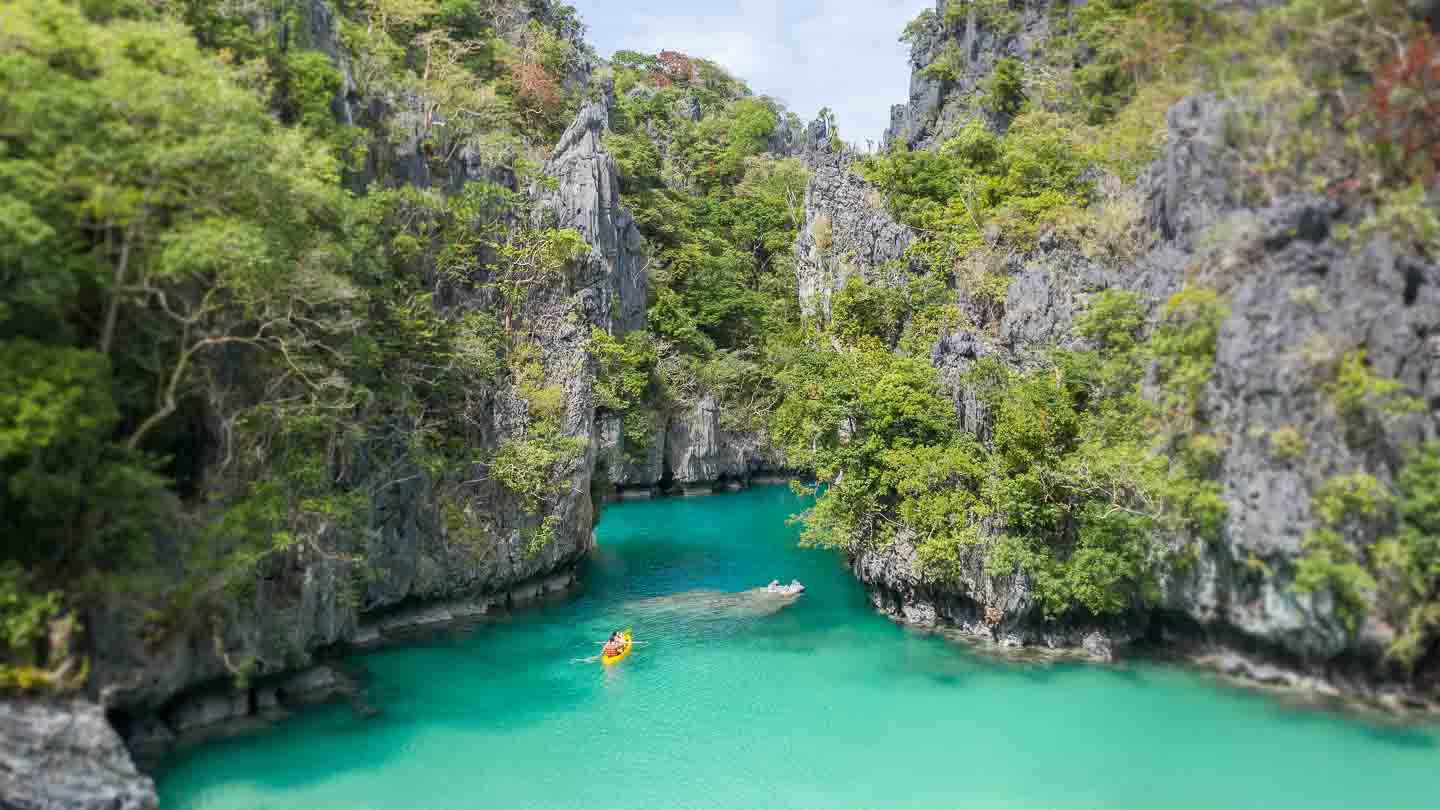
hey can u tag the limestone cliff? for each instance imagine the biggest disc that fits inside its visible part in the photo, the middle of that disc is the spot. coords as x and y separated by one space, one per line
420 559
693 451
63 754
952 52
434 545
413 552
846 231
1296 291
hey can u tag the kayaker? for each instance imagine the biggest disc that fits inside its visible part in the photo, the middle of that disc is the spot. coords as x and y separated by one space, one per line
615 645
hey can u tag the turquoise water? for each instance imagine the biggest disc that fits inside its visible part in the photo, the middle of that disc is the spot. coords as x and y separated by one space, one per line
823 704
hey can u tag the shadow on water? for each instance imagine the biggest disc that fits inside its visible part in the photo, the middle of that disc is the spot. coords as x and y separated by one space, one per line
340 740
1402 737
458 691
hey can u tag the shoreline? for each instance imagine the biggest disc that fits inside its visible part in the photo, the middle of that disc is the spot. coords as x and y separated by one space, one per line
222 710
334 678
1387 704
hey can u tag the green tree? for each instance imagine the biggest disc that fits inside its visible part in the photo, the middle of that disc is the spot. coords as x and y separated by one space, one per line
160 224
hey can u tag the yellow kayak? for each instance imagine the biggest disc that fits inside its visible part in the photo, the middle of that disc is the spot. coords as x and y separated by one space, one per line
624 651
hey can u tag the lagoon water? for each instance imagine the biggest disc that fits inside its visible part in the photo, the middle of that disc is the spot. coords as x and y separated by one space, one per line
823 704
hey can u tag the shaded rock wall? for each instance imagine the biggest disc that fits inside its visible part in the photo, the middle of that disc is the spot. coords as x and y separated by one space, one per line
846 231
413 550
693 451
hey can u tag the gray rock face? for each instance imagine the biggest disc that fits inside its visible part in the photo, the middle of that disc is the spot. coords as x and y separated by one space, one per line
310 681
698 448
324 35
413 552
150 739
588 199
207 710
692 450
812 143
1185 193
846 231
1296 310
1299 299
1000 608
63 755
973 44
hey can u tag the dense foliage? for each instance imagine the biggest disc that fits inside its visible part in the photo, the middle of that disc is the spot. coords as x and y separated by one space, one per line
1070 485
1079 461
243 294
206 339
720 214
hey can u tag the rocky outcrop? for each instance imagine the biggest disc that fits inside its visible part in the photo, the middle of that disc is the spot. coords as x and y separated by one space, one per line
811 143
63 755
324 35
951 55
846 231
999 608
793 589
700 449
429 554
587 198
1299 299
693 451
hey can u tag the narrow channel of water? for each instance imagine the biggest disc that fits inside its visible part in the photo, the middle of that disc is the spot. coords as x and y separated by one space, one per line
823 704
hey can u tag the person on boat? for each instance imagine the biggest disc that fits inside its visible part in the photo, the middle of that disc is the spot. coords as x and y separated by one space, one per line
615 645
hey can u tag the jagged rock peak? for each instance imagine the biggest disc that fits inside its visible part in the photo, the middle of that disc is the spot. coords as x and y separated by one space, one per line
846 231
583 136
951 55
586 197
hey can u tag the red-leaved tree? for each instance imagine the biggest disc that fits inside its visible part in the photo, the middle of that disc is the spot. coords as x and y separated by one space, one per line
1405 101
676 66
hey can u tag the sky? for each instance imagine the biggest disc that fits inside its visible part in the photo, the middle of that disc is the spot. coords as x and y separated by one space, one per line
844 54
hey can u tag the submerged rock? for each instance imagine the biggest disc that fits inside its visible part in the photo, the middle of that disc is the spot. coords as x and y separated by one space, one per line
706 604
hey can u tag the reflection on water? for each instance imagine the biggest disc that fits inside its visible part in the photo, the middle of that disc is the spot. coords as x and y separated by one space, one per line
815 701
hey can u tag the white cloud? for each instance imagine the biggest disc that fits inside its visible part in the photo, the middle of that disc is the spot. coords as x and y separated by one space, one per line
843 54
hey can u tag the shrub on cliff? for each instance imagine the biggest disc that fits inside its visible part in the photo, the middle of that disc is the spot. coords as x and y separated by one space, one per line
203 335
1409 560
720 217
980 188
1005 88
1076 476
